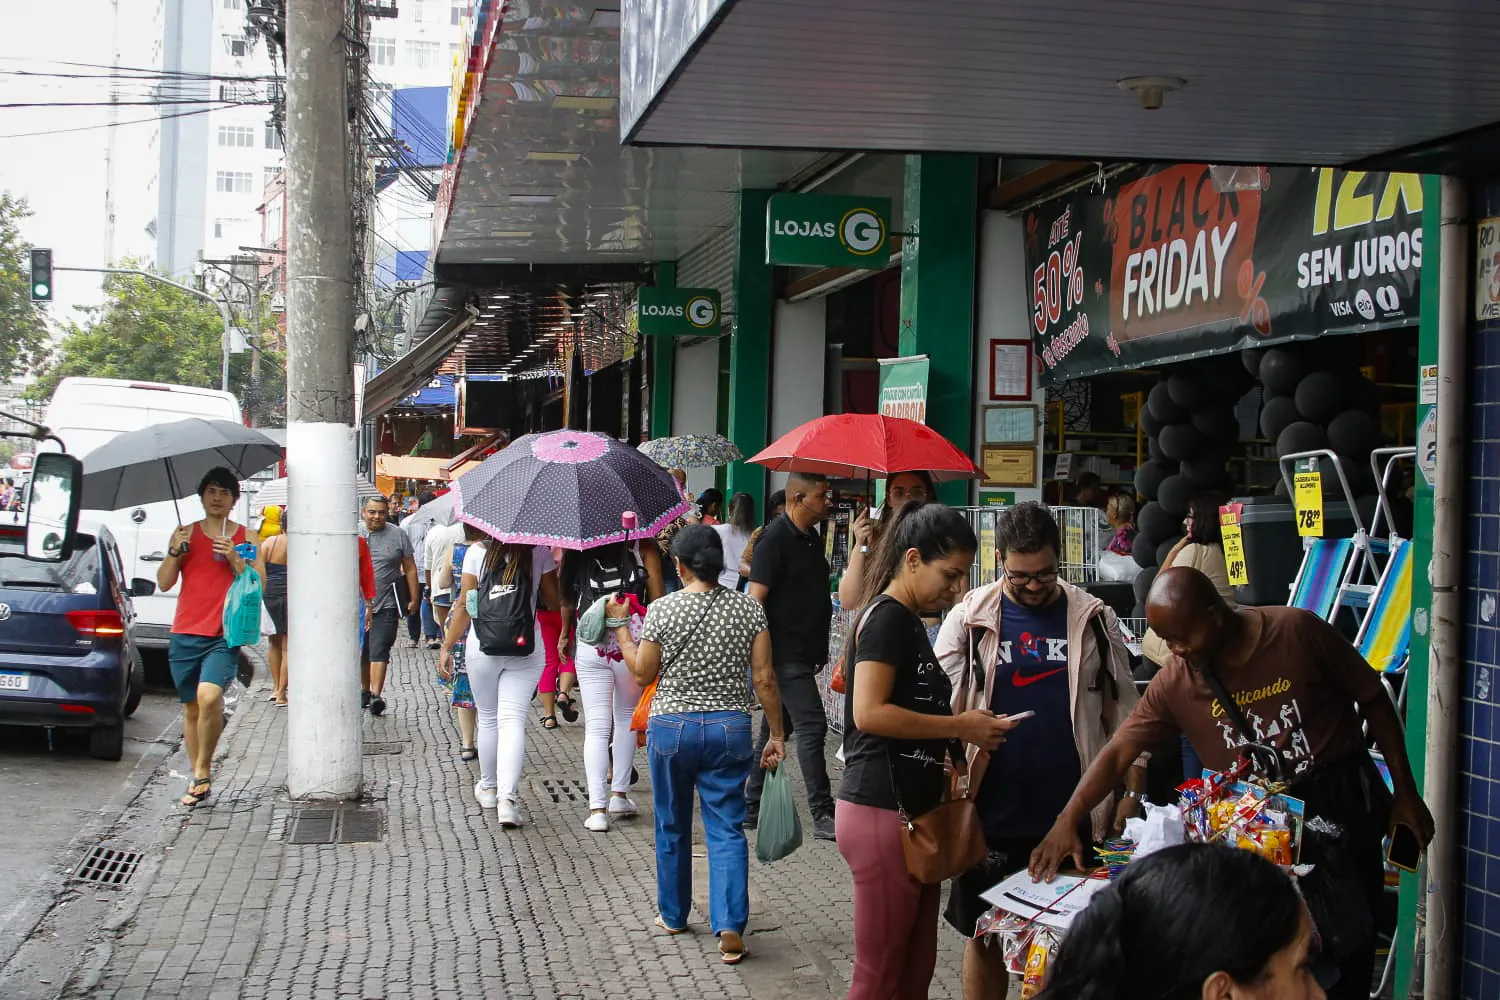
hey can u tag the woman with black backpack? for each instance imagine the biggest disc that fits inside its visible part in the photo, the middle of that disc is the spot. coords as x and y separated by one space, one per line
610 693
495 618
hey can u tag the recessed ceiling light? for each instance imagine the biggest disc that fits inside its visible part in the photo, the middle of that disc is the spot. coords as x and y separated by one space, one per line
533 199
581 102
499 297
545 156
512 234
605 18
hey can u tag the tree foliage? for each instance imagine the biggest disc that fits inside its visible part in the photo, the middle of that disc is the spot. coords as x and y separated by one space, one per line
154 332
23 323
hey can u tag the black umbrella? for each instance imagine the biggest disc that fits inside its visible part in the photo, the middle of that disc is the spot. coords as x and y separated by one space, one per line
568 489
161 461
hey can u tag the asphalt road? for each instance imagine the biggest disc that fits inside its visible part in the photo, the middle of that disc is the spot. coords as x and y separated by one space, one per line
58 801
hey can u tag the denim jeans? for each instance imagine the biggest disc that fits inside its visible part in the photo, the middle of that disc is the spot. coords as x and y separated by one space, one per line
711 752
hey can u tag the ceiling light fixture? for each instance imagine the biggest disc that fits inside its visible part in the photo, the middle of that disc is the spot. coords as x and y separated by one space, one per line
1151 89
605 18
533 199
512 234
546 156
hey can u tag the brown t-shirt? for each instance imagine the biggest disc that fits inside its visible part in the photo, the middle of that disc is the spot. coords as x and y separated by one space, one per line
1297 691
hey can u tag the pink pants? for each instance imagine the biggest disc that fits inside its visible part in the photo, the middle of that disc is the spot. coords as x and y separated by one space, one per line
551 623
895 916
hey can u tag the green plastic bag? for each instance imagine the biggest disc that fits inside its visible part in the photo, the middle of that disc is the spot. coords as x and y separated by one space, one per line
242 610
591 628
779 831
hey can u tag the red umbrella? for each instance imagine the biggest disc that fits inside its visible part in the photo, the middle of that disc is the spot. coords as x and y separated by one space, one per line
866 445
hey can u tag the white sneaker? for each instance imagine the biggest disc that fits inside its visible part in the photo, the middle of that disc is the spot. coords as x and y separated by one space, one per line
623 808
508 814
596 823
488 798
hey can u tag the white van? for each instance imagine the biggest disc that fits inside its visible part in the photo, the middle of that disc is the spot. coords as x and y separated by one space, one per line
89 412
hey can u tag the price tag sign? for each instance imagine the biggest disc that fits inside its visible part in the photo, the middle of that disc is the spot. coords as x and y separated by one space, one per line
1073 544
1307 498
1234 545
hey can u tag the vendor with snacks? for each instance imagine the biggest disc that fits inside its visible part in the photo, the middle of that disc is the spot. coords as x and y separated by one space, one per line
1298 693
1050 656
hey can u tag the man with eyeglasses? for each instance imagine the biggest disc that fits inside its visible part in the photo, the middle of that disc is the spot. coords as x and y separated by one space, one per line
1038 645
789 576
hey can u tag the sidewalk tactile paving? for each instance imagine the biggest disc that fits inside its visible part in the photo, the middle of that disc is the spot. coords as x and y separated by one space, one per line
448 903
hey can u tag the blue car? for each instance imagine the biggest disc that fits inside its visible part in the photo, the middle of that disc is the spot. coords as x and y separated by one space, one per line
67 654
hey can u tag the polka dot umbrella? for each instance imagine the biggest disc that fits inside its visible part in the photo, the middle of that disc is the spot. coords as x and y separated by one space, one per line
567 489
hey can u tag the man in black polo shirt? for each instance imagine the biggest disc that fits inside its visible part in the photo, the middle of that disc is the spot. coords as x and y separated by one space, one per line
789 575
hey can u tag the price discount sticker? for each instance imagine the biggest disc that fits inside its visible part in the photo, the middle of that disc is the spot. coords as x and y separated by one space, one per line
1307 498
1234 545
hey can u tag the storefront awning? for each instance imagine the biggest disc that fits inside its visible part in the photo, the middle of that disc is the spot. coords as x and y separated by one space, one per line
413 370
1271 82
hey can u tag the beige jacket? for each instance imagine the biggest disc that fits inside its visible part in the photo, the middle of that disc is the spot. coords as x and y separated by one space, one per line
1206 559
1097 715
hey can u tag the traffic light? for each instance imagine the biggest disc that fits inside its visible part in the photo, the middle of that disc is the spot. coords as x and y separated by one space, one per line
41 275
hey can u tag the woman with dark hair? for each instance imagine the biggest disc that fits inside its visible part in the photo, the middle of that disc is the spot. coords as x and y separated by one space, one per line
502 685
1191 922
734 535
696 645
899 727
864 534
711 507
775 507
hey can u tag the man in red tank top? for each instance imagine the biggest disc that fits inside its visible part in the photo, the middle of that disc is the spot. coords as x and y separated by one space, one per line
203 555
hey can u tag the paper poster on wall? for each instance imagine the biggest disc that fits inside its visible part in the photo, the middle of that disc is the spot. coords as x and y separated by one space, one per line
1009 467
903 387
1487 270
1010 370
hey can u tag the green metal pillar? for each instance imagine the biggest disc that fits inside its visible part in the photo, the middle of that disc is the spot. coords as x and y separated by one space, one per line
939 257
663 361
750 347
1421 589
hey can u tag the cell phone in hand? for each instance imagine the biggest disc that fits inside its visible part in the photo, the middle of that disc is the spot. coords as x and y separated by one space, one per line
1404 852
1020 715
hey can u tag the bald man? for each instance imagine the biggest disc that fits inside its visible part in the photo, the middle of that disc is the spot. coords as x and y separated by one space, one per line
1302 689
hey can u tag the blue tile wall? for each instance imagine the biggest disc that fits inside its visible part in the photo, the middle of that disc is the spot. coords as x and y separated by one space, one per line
1479 796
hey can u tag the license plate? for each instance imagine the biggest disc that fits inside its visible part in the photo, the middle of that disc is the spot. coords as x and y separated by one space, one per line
15 682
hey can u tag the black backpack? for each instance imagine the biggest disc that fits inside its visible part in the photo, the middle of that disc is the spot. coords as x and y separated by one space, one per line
505 622
606 577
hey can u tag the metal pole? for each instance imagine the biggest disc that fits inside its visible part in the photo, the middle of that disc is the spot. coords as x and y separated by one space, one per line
324 738
224 345
1445 659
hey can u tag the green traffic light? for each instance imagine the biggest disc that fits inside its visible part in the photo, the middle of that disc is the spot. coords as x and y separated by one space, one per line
41 291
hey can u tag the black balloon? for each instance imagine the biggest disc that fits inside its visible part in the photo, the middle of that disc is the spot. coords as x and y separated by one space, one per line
1280 371
1299 437
1155 525
1191 389
1174 495
1149 476
1162 407
1321 396
1353 432
1182 441
1276 415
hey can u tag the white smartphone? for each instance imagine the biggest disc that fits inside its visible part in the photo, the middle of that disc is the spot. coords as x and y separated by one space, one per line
1020 715
875 513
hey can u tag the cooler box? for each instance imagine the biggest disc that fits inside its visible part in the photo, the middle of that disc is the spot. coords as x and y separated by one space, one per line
1273 549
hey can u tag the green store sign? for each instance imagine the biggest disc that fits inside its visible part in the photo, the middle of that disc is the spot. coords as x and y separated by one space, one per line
818 230
678 312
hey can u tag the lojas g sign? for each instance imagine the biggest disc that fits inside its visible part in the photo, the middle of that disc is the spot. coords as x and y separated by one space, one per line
677 312
818 230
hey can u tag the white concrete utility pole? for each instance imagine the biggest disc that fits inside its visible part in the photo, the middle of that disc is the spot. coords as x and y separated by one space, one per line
325 744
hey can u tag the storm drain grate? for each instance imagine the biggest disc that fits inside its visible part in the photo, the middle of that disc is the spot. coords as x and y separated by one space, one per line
372 748
108 867
561 790
354 825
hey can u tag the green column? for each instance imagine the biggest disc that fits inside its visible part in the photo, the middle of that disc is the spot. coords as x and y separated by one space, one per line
750 347
1421 589
940 211
663 361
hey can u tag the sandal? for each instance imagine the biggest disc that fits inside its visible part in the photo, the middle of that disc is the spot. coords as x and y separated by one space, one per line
732 950
567 708
671 931
549 722
194 796
468 753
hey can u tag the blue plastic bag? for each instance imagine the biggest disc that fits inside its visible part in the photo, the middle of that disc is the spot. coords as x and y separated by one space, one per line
779 831
242 610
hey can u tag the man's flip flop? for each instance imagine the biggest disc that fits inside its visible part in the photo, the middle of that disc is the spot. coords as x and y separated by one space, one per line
193 796
672 931
732 950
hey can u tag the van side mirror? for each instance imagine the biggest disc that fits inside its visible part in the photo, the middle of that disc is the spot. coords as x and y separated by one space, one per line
141 587
52 503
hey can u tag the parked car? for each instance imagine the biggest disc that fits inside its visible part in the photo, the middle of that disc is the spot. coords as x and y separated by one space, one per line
68 656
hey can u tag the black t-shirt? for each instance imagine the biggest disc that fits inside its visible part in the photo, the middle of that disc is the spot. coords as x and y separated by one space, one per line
791 563
890 633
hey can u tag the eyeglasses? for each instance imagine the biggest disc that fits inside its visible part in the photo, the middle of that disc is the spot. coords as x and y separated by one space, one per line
1046 578
905 494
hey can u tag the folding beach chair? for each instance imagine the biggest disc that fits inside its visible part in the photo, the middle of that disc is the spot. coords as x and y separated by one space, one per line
1384 639
1324 572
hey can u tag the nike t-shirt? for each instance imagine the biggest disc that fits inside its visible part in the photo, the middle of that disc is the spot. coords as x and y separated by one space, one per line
1034 771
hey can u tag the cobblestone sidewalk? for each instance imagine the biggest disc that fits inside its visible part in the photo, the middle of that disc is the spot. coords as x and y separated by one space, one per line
448 904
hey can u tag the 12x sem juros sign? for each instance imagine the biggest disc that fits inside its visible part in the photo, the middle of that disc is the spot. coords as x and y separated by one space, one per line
678 312
816 230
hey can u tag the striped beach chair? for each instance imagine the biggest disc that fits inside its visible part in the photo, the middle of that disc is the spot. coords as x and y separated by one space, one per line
1384 638
1324 572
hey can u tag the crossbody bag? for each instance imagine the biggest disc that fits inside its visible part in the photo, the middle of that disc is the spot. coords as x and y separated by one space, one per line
641 718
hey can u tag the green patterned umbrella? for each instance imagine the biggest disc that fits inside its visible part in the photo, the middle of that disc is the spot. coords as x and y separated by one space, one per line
691 451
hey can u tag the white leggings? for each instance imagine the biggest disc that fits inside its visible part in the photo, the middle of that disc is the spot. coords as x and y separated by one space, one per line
610 695
502 687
